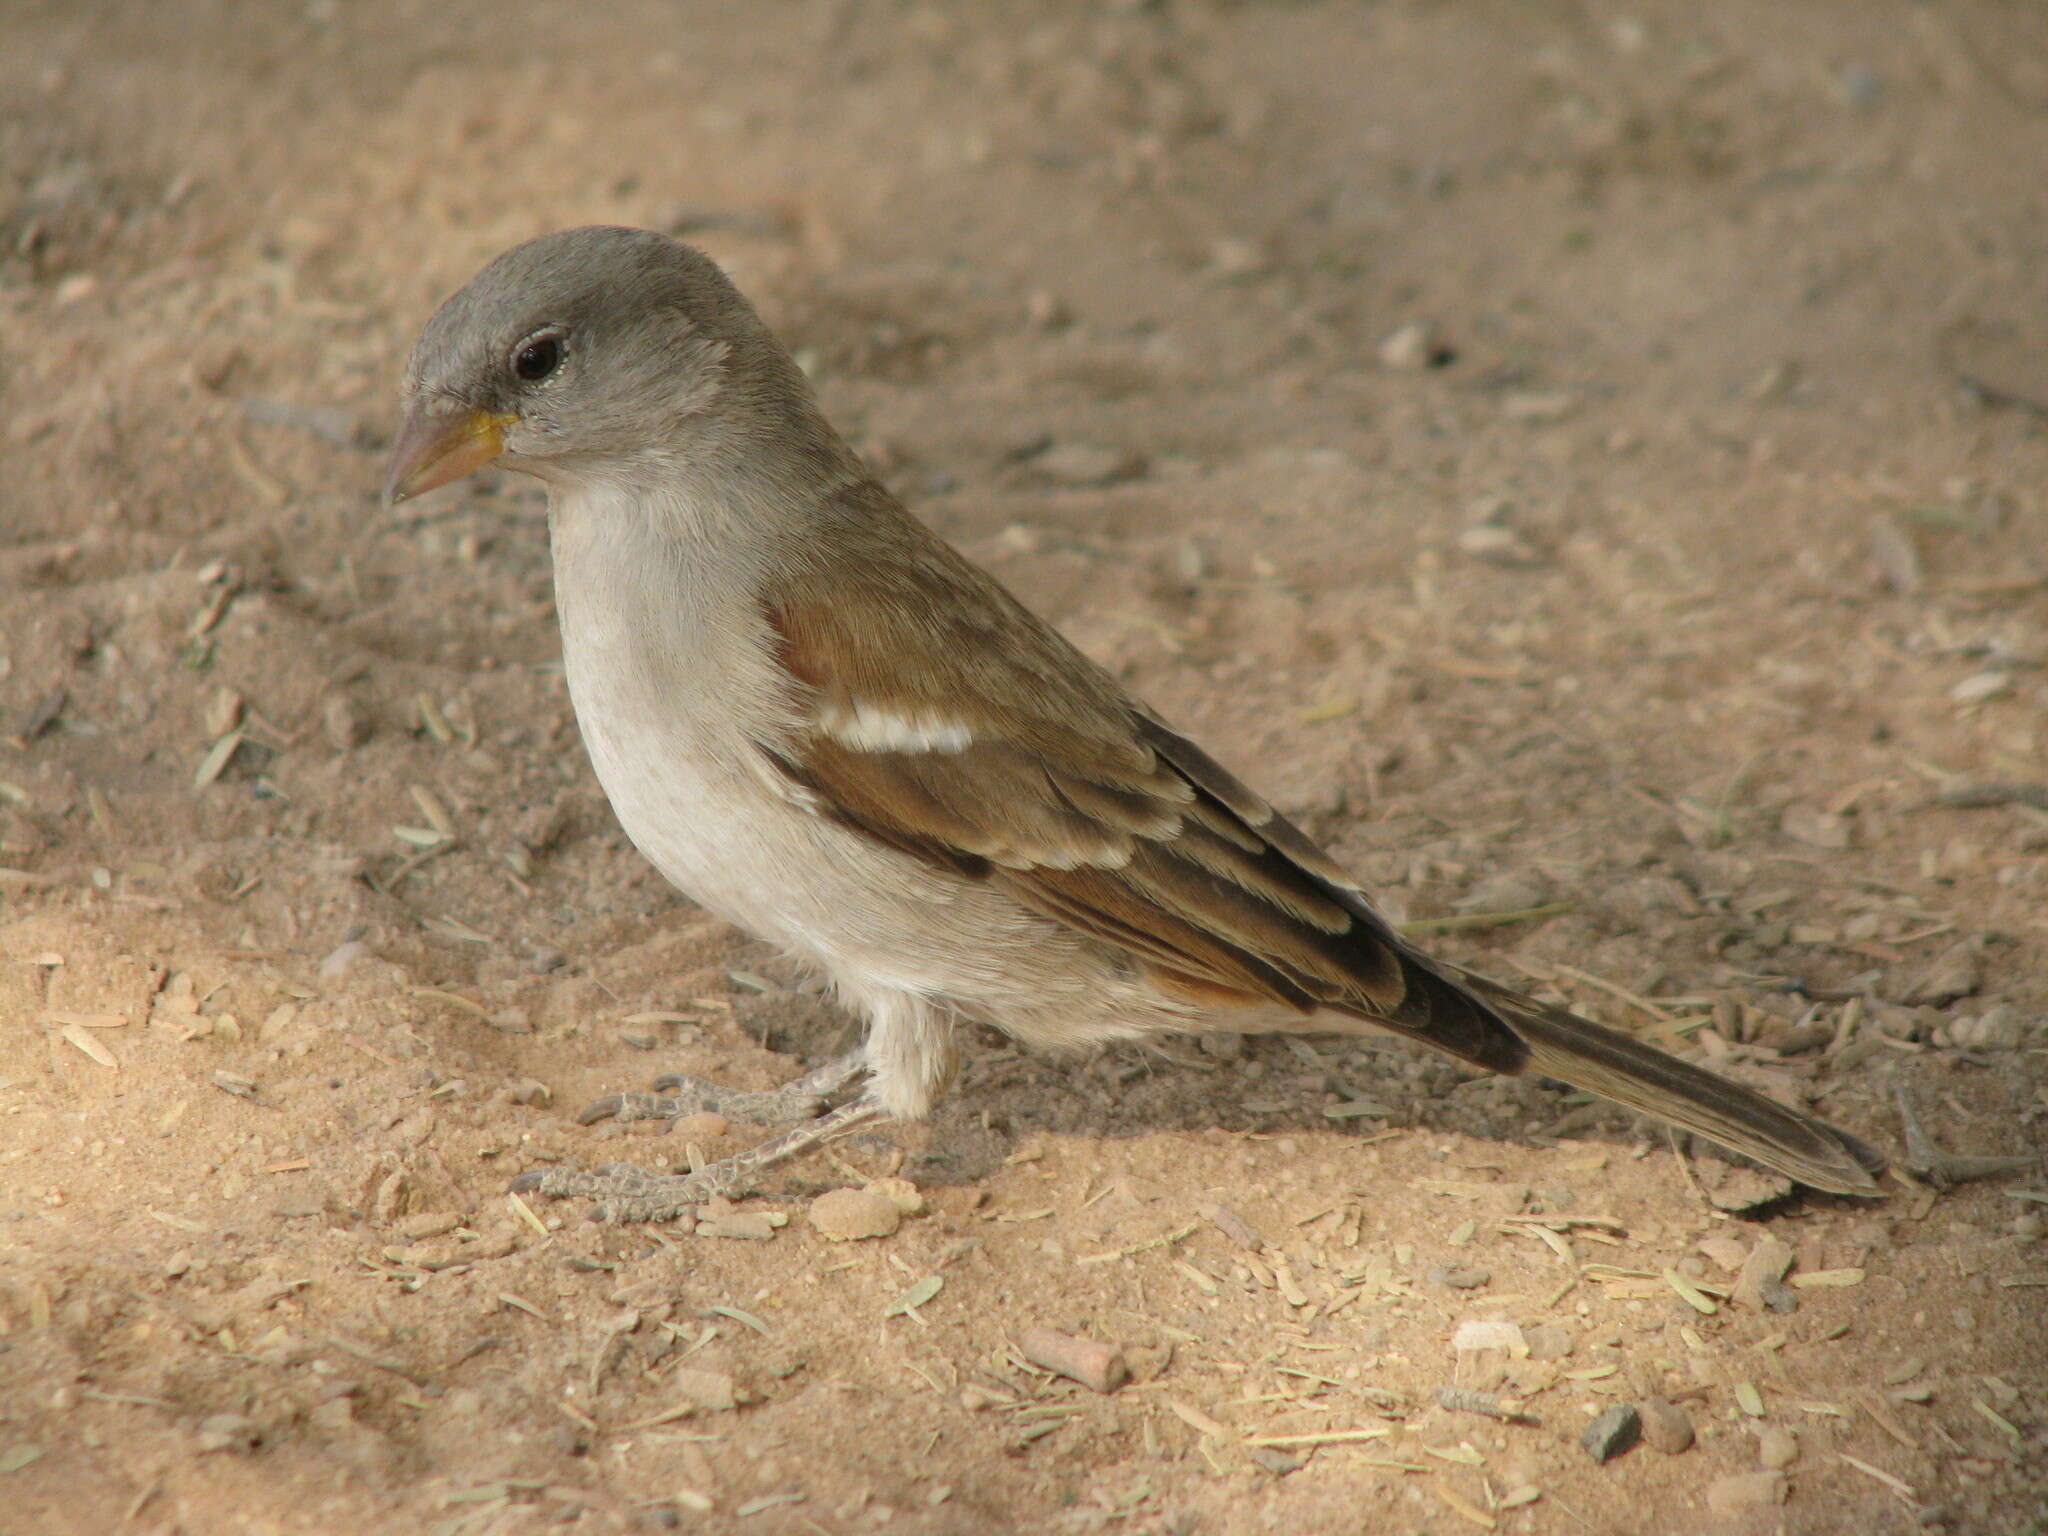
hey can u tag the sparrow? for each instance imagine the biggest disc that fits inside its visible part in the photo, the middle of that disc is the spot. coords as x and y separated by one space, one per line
822 723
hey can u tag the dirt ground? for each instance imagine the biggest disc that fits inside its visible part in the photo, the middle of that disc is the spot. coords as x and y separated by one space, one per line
1585 461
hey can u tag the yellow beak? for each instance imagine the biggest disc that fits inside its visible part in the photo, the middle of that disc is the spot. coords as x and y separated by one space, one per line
435 448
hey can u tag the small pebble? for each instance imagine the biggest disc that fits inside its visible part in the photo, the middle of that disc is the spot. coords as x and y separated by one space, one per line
341 959
1816 828
1980 686
1477 1333
1776 1447
1097 1366
1537 405
429 1224
1996 1029
710 1390
343 724
1458 1278
1279 1463
1410 347
1612 1433
1761 1285
1897 560
754 1226
1724 1251
1666 1426
231 1432
1742 1491
223 711
1497 546
1233 258
1957 972
1903 1370
847 1215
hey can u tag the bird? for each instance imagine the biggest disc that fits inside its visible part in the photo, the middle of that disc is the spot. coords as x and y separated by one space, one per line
822 723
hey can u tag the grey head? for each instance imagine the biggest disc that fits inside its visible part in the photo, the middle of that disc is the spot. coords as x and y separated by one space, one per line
590 352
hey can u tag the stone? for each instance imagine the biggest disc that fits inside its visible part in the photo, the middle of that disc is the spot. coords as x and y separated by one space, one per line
1666 1426
1097 1365
849 1215
1410 347
1761 1284
1459 1278
1497 545
1776 1448
342 723
709 1390
1724 1251
1743 1491
1957 972
1614 1432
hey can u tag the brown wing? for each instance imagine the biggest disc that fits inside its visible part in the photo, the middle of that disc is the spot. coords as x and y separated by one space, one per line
943 720
946 721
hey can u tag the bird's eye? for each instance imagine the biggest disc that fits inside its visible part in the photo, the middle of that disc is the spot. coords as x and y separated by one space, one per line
537 357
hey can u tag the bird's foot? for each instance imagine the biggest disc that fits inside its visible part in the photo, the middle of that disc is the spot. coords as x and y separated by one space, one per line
1926 1161
625 1193
673 1097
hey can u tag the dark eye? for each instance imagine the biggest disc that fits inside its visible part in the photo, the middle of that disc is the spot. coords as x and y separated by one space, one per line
537 357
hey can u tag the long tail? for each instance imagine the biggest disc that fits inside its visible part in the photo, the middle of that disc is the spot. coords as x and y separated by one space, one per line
1560 1044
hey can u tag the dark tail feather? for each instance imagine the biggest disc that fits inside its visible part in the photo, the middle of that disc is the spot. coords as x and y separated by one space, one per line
1491 1026
1618 1067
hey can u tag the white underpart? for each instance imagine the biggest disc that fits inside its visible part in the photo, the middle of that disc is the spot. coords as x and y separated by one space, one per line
873 728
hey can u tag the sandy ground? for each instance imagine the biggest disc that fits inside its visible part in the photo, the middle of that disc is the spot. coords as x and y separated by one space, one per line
1585 461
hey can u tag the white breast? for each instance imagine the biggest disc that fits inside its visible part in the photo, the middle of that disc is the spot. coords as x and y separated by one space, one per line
673 686
676 689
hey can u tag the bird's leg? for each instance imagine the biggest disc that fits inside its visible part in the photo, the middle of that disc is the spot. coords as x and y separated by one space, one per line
800 1099
625 1193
